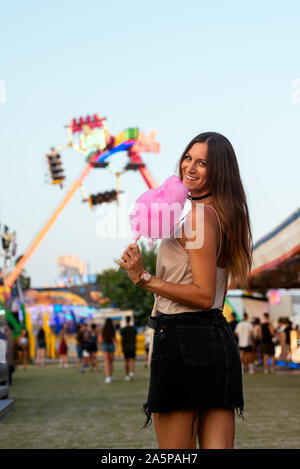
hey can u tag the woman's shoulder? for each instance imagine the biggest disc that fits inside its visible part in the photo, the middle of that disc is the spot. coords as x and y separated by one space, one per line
209 212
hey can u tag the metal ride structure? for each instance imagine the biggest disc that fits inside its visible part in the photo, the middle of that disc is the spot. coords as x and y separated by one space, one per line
90 137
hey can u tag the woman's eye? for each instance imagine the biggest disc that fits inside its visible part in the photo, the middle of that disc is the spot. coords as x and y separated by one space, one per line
202 163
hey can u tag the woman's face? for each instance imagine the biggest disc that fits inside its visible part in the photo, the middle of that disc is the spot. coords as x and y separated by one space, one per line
194 169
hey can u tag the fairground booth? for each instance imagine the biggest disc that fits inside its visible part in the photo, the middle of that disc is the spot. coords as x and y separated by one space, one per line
274 282
55 308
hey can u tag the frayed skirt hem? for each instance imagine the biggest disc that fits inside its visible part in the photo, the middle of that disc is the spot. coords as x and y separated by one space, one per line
239 411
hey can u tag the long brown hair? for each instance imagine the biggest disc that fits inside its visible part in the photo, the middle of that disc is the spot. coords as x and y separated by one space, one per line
224 181
108 332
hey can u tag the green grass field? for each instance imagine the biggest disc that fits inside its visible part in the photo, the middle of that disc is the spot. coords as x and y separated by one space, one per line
60 408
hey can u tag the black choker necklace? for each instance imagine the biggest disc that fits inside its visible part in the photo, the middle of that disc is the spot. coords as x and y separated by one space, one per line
199 198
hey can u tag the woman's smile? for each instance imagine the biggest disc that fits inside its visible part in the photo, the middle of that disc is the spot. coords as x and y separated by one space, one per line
191 178
194 168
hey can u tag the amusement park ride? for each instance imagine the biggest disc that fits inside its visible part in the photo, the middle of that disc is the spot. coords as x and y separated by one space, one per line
90 137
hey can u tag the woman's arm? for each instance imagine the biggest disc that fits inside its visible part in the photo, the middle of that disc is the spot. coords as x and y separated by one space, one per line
259 332
201 292
189 295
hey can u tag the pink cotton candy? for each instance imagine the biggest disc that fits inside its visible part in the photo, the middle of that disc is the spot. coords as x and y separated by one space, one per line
156 211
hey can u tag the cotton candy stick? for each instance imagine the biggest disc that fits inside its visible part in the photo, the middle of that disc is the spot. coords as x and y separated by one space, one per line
135 242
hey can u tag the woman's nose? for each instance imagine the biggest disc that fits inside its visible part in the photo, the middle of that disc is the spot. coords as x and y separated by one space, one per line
191 167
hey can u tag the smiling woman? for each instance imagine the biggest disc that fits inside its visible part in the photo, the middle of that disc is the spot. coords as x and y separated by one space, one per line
210 159
194 169
196 377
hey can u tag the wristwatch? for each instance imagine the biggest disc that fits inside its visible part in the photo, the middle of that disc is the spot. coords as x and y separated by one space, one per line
144 278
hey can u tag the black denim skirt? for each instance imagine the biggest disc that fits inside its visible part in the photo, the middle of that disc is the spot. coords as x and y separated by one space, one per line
195 364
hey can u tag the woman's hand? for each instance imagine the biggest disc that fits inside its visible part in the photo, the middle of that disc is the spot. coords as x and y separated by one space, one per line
132 262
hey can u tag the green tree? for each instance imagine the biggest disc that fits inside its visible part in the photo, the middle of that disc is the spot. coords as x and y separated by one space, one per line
118 287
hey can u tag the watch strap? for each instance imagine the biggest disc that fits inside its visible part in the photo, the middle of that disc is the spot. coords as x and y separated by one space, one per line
141 280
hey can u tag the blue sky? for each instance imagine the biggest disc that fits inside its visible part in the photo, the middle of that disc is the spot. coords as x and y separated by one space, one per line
178 67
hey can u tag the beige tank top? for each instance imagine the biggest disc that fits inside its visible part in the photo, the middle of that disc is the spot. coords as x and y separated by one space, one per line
173 265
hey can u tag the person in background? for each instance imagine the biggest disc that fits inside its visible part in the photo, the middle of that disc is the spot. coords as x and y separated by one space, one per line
23 346
86 346
287 331
79 347
233 323
41 347
257 348
93 348
280 337
63 349
243 331
267 335
108 342
128 336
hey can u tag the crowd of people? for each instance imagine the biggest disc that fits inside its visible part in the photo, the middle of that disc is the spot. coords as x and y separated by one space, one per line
89 340
257 340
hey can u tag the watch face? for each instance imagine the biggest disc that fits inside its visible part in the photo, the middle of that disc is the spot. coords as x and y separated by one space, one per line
147 276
